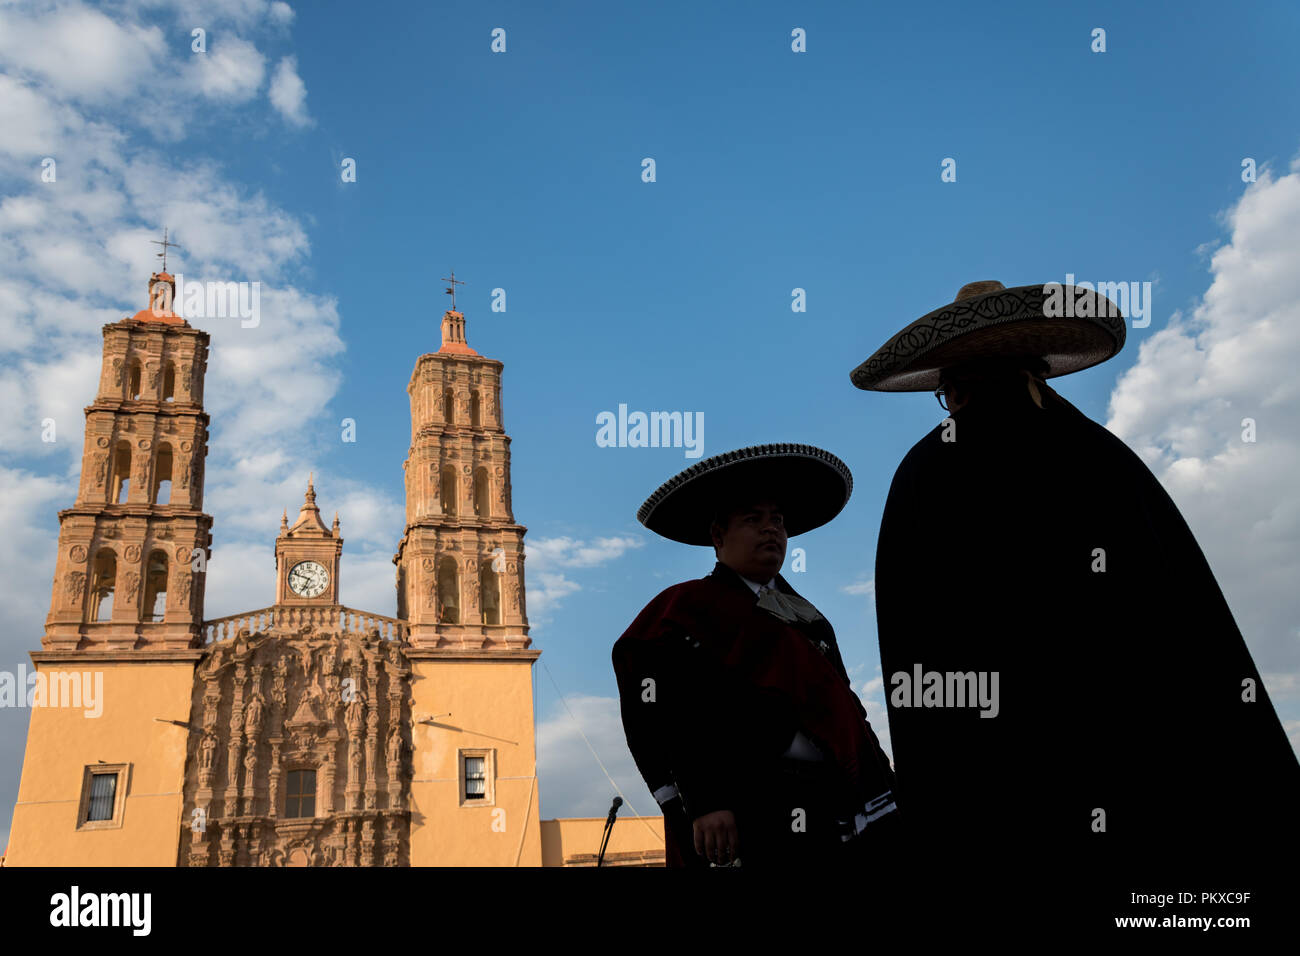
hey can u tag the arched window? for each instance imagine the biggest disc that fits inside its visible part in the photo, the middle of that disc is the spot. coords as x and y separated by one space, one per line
102 585
449 496
300 798
489 598
482 502
162 476
448 592
133 386
155 587
448 406
121 473
169 383
475 410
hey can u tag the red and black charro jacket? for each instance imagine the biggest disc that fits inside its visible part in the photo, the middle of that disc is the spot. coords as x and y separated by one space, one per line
712 690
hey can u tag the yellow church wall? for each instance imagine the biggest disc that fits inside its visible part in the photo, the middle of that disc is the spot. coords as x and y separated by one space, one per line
478 701
575 841
62 741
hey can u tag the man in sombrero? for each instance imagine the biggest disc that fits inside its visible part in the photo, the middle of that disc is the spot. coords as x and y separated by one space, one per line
1022 539
735 701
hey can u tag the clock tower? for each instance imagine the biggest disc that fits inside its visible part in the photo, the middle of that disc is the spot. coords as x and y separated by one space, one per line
307 558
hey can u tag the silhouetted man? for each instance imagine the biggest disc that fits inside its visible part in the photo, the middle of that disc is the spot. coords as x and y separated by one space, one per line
1026 545
735 701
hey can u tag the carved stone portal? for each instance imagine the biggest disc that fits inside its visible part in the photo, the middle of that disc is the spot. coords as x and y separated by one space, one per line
283 710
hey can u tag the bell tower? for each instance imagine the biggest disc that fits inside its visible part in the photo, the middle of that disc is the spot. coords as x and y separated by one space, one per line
133 549
307 558
460 563
460 590
102 780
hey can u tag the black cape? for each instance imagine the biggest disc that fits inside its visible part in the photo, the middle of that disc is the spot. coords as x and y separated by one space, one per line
1120 691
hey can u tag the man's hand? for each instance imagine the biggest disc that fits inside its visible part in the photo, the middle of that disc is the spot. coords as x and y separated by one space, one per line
716 838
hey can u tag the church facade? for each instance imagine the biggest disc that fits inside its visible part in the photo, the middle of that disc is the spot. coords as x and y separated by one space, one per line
305 733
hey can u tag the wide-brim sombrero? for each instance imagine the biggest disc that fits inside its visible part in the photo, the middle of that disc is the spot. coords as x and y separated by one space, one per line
987 321
810 485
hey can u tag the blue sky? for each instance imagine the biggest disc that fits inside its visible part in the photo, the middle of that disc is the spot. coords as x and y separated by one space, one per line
522 171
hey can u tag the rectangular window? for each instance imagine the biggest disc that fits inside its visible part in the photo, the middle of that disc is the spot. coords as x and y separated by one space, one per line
103 796
103 788
478 770
300 800
475 778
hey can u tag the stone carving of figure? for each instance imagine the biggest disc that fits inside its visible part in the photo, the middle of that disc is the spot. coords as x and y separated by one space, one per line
354 761
356 712
74 585
207 751
152 368
253 717
395 752
132 588
99 468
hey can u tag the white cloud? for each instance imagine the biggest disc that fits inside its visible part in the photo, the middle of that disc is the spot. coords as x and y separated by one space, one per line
75 254
27 559
232 70
34 125
569 777
1182 405
288 92
77 52
867 587
546 585
126 65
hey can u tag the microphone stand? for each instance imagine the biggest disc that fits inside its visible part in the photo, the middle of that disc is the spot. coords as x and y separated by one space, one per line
609 827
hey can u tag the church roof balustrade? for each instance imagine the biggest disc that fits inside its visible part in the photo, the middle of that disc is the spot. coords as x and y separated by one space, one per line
324 620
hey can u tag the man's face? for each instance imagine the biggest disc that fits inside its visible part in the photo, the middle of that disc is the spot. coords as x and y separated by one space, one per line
753 541
956 396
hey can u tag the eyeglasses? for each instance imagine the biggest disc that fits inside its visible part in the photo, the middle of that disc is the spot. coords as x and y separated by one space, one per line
940 394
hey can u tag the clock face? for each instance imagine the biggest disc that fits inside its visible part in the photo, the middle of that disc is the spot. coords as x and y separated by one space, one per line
308 579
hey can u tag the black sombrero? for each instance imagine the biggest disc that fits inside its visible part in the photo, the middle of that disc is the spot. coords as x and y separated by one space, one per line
811 485
988 321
